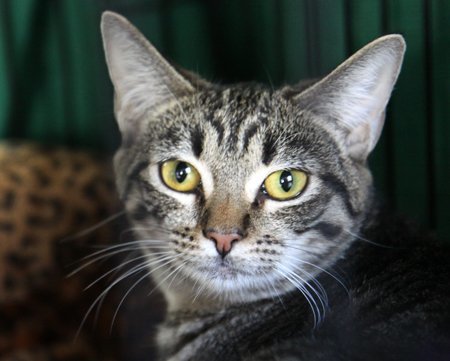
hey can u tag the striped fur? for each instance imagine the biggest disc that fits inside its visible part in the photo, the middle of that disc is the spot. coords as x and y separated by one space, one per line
271 285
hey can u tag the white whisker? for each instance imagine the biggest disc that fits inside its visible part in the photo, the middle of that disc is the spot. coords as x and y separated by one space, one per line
165 278
131 243
301 288
200 289
335 277
307 285
367 240
132 271
92 261
271 287
176 274
121 265
146 275
94 227
117 249
153 229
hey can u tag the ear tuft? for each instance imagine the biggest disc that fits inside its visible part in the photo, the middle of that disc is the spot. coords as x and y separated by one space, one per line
356 93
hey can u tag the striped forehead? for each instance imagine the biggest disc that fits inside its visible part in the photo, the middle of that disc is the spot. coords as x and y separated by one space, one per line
225 121
238 123
234 116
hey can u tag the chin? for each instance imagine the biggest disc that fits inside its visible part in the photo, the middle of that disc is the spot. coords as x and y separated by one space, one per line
233 285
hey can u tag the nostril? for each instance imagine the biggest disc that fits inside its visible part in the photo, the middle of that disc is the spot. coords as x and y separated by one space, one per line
224 241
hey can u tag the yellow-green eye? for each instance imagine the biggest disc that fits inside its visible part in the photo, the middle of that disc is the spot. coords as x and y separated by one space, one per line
180 176
285 184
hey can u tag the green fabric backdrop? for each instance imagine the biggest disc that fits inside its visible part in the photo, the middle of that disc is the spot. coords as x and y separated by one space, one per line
54 86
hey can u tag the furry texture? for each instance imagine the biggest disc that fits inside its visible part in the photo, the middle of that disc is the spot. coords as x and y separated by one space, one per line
299 281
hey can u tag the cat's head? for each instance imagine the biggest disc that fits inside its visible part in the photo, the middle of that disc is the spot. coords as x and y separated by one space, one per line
242 192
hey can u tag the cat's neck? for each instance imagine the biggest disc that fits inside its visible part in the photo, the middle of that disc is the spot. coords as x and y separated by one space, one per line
185 301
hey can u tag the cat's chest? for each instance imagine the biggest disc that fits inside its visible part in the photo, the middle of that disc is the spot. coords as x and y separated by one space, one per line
184 337
228 334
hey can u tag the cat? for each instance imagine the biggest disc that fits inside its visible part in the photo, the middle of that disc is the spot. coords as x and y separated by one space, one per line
256 216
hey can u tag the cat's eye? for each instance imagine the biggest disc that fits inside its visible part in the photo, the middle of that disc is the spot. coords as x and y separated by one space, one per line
179 175
285 184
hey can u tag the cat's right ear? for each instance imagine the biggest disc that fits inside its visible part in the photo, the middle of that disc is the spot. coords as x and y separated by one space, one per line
142 78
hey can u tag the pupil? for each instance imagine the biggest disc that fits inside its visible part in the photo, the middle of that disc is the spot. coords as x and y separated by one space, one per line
181 172
286 180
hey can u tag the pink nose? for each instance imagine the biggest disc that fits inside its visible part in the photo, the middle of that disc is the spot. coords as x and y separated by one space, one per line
224 241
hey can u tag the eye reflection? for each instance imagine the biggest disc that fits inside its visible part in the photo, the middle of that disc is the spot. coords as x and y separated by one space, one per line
179 175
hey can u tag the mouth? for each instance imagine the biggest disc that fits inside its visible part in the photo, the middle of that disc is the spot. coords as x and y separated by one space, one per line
225 269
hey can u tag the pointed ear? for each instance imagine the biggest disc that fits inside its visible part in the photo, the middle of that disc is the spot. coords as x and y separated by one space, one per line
356 93
142 78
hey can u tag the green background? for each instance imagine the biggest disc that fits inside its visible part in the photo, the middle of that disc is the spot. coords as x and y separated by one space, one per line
54 86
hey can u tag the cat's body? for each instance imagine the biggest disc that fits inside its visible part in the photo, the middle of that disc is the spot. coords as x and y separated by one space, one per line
393 308
255 213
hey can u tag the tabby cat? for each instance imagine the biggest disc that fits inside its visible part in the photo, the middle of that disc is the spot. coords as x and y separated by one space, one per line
256 217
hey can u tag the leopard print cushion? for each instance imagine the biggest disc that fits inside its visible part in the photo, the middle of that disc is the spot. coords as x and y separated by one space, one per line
47 197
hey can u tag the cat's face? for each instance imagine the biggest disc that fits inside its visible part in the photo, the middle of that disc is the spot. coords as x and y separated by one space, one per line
232 229
239 193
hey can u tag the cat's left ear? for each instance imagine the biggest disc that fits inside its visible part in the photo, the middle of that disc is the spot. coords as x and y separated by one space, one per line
356 93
